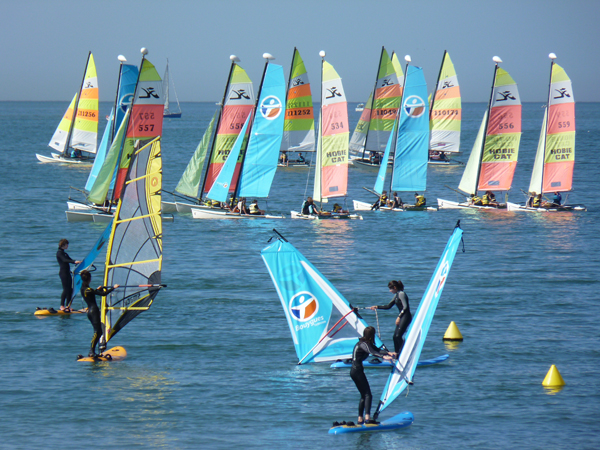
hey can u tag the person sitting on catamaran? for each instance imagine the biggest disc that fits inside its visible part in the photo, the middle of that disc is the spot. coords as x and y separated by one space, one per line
485 199
241 206
492 198
64 261
537 201
557 199
284 158
255 210
420 200
396 202
301 158
309 208
93 312
404 319
381 201
363 348
475 200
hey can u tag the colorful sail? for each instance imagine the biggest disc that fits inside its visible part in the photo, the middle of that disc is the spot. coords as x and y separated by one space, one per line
555 158
404 368
61 135
299 126
411 156
386 100
238 105
189 184
391 146
85 128
134 254
222 185
262 154
145 120
101 155
359 137
322 322
399 72
446 112
468 182
335 134
503 134
127 83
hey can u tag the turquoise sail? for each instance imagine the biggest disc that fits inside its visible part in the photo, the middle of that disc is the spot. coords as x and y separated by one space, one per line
323 324
404 368
127 83
412 148
220 187
262 154
101 154
87 262
379 182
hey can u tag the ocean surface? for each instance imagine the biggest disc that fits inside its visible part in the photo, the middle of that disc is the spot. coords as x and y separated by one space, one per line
212 364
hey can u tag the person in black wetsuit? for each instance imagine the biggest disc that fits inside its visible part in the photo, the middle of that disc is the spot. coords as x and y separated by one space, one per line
89 296
365 347
64 261
403 321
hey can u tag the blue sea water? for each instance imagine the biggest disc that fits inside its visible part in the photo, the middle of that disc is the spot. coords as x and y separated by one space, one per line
212 365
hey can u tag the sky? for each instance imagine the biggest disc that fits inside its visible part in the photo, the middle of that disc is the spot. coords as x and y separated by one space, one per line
44 44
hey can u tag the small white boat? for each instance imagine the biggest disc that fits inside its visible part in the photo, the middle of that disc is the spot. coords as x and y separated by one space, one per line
330 216
447 204
360 107
364 206
56 158
516 207
214 213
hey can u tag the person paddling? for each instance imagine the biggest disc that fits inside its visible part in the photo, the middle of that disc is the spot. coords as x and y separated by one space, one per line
64 261
93 313
363 348
404 318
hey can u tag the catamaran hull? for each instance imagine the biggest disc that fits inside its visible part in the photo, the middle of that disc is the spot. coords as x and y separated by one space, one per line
363 206
401 420
515 207
447 204
221 214
297 215
57 159
168 207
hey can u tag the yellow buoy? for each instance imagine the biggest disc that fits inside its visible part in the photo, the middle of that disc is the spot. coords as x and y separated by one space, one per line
553 378
452 333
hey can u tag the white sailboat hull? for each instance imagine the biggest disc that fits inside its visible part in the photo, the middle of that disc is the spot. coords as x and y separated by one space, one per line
447 204
214 213
363 206
516 207
58 159
298 215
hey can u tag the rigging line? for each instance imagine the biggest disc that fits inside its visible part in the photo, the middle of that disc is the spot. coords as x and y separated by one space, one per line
325 335
378 331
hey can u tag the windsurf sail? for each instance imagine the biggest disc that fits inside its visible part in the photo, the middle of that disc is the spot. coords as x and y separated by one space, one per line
390 147
446 112
334 133
323 324
299 125
134 254
101 155
411 155
404 368
555 157
261 156
189 183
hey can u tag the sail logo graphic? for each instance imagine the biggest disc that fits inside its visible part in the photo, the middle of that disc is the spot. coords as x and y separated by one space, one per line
241 93
562 93
125 102
333 92
414 106
447 84
387 82
297 82
303 306
441 279
149 93
506 95
271 107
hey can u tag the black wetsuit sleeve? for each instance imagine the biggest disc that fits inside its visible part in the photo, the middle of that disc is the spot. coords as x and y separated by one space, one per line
103 291
375 351
389 305
64 258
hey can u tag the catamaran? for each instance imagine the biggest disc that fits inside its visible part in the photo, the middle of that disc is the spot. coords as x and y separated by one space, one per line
494 156
141 123
371 134
331 166
408 143
77 132
168 113
404 368
445 115
555 157
255 157
299 124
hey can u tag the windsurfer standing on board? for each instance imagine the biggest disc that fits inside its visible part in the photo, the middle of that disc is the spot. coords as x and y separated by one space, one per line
93 314
64 261
404 318
363 348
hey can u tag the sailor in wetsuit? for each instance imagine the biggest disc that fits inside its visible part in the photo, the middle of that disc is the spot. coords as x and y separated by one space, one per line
404 319
364 348
89 296
309 208
64 261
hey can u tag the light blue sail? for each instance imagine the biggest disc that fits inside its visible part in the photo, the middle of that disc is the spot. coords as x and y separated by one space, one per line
101 154
220 187
412 147
89 260
127 83
379 182
324 326
262 154
404 368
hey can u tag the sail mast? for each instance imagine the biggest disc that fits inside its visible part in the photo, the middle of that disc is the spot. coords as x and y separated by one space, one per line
121 59
319 162
408 59
437 83
72 125
373 107
234 59
552 57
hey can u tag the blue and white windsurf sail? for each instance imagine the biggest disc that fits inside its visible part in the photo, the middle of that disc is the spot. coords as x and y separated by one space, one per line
127 83
404 368
101 154
324 326
262 154
220 188
87 262
379 182
412 148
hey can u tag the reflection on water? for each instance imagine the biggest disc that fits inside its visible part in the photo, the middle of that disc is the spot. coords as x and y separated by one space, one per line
553 390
